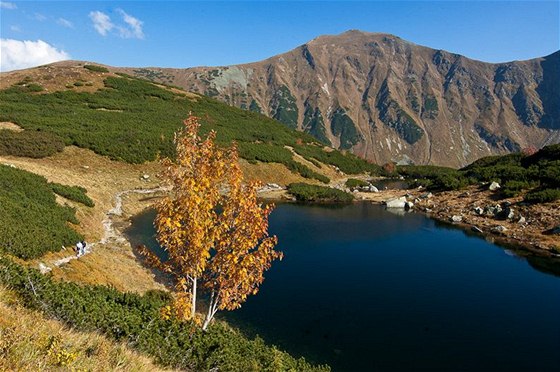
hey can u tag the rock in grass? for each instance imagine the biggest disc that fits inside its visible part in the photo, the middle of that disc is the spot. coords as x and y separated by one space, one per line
494 186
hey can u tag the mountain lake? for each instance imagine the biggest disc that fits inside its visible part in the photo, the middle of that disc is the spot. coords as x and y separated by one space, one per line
362 288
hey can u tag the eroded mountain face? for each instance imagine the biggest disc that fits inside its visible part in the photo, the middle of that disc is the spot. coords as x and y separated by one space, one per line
390 100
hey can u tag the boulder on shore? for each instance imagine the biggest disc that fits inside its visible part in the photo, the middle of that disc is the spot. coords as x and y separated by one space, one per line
396 203
499 229
456 218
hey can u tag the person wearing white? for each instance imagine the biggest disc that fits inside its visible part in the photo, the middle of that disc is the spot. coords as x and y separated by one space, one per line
79 249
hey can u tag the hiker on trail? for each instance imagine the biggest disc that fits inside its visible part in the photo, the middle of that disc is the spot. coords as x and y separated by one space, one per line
79 248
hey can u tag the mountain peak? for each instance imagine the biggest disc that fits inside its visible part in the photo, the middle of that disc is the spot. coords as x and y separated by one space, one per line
387 99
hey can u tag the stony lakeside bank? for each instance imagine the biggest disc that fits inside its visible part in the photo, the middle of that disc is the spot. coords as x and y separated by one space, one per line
533 229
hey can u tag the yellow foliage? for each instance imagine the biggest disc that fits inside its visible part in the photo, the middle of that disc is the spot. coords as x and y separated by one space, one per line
58 354
211 225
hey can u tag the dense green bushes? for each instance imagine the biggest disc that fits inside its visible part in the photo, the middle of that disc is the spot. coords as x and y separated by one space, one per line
539 173
542 196
96 68
433 177
311 193
352 183
136 320
269 153
347 163
31 144
75 193
32 223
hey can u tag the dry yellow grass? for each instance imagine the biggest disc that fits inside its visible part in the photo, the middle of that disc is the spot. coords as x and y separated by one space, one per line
269 173
31 342
10 126
57 77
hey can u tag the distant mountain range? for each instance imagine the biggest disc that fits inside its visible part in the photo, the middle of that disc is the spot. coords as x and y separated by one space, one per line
387 99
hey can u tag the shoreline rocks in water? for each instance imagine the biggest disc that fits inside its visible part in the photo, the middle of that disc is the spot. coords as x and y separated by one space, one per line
510 221
396 203
533 227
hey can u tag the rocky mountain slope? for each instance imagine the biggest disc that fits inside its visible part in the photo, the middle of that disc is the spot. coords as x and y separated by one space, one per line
387 99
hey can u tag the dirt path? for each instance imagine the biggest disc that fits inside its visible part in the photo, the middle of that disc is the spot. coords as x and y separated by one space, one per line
111 234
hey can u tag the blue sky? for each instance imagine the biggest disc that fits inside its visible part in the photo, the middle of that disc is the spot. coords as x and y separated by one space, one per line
186 34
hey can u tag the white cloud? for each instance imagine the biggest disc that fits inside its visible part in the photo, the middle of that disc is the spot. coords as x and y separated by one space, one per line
19 54
130 29
39 17
134 29
101 22
15 28
7 5
64 23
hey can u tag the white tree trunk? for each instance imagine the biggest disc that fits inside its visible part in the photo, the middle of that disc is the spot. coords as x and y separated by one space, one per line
212 309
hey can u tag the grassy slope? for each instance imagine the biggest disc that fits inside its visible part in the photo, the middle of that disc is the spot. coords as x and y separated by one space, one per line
139 321
134 121
28 343
32 221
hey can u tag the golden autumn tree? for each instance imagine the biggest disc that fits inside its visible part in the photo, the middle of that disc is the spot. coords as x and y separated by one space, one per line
243 250
211 226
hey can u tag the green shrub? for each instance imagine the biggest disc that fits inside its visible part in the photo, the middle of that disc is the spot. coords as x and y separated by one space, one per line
449 181
352 183
75 193
543 196
31 144
35 88
311 193
136 320
425 171
305 172
32 222
96 68
347 163
22 87
513 188
516 172
434 177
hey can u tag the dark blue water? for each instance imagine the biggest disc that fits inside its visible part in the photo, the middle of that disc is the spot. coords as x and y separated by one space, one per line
363 289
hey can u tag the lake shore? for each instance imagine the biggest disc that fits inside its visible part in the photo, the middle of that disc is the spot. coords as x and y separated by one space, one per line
525 230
